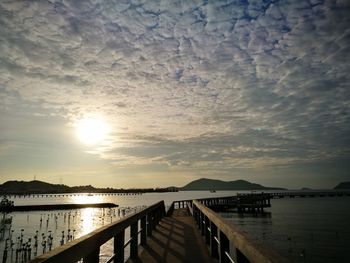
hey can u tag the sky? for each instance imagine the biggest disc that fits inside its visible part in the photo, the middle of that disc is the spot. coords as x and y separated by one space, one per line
253 90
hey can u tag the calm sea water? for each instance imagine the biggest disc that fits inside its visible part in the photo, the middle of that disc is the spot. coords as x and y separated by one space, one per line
314 230
302 229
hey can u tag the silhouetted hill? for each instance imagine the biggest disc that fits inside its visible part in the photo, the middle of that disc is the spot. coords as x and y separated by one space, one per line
210 184
39 187
343 185
32 187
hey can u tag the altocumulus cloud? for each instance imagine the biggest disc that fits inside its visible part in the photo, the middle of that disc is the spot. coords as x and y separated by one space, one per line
189 84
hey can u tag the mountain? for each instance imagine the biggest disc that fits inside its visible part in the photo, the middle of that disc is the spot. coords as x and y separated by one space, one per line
210 184
39 187
32 187
343 185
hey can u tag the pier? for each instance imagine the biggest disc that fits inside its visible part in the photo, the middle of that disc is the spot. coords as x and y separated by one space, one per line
303 194
247 203
188 231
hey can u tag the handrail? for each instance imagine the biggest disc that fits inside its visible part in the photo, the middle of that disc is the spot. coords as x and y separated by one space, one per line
87 246
229 235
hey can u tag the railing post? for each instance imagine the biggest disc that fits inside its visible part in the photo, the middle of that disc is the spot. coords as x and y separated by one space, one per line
143 231
199 216
149 223
171 209
134 240
202 223
224 247
241 258
93 256
161 214
157 218
119 240
207 231
196 214
213 243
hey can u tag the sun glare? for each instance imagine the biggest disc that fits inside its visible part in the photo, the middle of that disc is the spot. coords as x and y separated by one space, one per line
91 131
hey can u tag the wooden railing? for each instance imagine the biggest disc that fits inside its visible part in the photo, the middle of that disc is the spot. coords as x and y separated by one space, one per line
88 246
226 243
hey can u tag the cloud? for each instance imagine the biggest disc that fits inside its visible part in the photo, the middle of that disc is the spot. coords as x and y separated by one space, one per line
213 84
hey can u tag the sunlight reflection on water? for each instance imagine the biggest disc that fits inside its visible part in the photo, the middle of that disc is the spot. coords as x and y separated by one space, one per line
86 199
87 219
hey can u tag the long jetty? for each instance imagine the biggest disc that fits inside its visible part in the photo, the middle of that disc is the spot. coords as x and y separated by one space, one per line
302 194
277 194
188 231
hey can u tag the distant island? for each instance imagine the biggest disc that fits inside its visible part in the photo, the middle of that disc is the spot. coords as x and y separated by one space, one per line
39 187
203 184
210 184
342 186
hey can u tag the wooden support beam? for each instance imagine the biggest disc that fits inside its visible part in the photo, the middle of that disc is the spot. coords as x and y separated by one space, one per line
213 240
149 224
134 240
119 240
207 231
93 256
143 231
224 248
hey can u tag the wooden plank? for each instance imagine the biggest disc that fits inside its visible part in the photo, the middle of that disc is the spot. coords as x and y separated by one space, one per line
175 240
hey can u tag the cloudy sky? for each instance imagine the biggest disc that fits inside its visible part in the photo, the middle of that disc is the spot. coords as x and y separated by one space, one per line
254 90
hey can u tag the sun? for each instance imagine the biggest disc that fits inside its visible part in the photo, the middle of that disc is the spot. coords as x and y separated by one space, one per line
92 131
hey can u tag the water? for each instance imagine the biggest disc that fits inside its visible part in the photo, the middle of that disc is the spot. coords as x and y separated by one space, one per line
311 230
303 229
41 230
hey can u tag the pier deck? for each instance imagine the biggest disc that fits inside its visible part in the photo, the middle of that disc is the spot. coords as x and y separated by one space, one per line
189 231
176 239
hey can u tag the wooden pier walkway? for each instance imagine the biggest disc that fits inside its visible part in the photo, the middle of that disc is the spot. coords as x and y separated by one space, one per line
189 231
176 239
